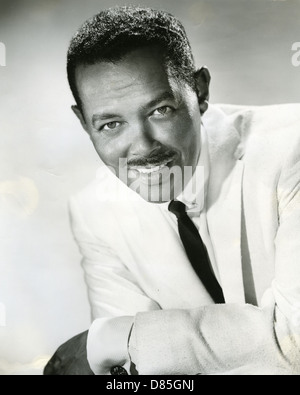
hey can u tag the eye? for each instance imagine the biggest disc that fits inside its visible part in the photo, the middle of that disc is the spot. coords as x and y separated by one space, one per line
110 126
165 110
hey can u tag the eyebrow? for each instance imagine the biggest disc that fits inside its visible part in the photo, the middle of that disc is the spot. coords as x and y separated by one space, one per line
164 96
105 116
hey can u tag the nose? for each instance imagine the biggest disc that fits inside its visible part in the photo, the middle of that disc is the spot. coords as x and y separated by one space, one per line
143 142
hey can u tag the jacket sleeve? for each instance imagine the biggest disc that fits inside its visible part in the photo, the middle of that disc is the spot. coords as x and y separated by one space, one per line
112 289
242 339
286 286
216 339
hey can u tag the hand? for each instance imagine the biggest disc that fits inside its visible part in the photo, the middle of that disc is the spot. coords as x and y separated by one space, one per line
70 359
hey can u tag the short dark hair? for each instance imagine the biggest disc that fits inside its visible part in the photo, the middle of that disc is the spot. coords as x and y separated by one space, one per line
111 34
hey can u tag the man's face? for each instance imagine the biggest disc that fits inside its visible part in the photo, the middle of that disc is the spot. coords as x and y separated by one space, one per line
135 113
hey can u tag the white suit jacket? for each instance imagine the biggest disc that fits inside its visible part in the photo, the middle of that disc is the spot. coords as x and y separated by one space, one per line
135 264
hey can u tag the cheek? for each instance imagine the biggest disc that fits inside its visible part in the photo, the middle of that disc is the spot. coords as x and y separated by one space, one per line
109 151
185 133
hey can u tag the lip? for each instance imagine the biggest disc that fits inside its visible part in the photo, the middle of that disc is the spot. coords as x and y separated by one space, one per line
153 175
149 169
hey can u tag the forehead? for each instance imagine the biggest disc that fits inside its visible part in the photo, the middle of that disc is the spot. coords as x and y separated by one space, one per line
140 74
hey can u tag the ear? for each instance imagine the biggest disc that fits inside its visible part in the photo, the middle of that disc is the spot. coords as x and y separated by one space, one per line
80 116
202 79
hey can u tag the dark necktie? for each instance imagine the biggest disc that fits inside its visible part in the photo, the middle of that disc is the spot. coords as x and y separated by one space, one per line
196 251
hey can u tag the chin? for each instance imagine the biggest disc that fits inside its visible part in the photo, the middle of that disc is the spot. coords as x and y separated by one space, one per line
157 194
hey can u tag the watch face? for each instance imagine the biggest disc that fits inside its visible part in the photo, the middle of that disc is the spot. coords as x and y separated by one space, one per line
118 371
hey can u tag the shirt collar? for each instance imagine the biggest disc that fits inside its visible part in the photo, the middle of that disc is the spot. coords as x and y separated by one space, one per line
194 193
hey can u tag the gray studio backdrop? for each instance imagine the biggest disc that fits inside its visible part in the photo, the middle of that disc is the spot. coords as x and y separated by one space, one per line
45 156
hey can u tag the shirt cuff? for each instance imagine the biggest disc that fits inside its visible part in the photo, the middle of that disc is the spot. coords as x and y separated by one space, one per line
107 344
133 351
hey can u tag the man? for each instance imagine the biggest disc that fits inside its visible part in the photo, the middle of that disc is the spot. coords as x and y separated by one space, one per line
182 280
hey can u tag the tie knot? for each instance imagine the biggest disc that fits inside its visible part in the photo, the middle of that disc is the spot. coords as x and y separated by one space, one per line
177 208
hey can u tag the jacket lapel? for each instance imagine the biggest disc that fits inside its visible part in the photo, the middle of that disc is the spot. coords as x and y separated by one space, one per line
224 223
224 201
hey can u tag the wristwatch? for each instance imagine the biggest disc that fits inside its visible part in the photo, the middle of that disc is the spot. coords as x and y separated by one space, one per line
118 371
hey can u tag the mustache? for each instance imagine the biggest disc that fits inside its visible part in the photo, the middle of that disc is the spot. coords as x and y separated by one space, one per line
153 160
